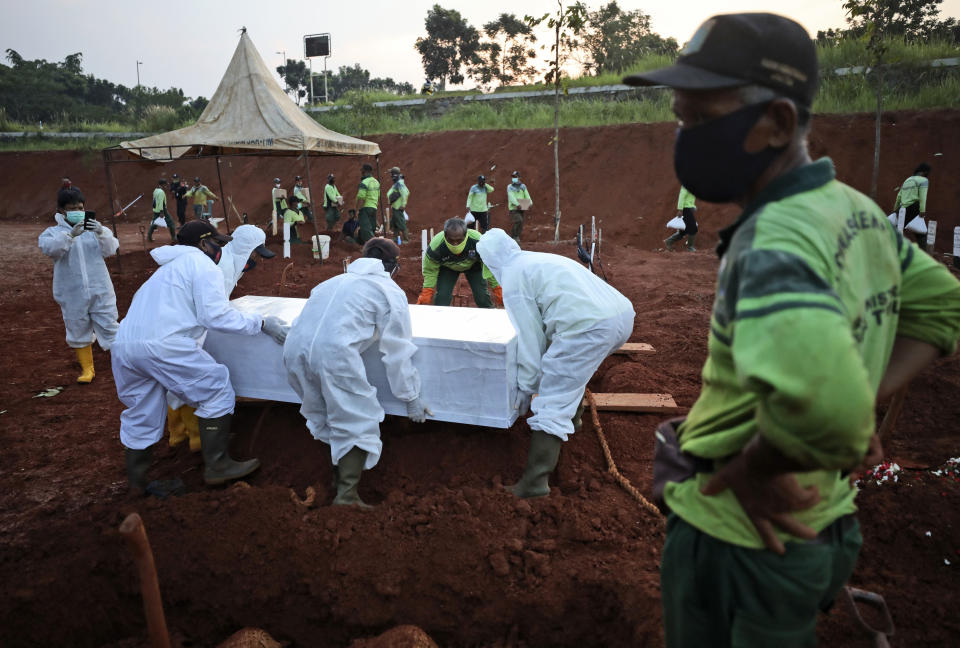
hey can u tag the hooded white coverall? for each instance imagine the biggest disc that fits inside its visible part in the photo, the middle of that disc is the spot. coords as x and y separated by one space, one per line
157 347
81 282
567 321
344 317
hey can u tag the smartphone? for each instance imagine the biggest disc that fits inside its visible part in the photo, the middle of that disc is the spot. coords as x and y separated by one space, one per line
87 217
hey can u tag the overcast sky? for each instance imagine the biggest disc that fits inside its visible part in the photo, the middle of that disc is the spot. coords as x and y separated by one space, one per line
188 45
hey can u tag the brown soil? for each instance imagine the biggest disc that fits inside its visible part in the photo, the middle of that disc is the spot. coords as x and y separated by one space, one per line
446 549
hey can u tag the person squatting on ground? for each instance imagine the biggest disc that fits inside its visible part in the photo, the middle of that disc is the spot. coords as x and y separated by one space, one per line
567 322
301 195
912 196
292 215
81 281
157 350
398 196
687 208
815 289
368 198
452 252
160 211
345 316
517 191
200 195
332 201
478 205
236 258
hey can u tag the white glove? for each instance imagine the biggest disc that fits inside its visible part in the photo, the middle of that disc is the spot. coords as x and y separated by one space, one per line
275 328
417 411
95 227
522 402
76 230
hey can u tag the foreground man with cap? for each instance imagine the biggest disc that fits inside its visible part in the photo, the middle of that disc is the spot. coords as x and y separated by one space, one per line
157 350
821 309
567 322
344 317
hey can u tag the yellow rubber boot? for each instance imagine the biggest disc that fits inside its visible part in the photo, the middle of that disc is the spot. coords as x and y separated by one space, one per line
191 425
175 426
85 357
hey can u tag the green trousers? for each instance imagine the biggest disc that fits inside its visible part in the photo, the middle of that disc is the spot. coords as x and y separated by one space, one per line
170 228
725 596
367 218
447 279
332 215
516 217
397 222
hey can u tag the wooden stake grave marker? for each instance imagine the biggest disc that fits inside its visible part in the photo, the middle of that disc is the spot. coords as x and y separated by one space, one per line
655 403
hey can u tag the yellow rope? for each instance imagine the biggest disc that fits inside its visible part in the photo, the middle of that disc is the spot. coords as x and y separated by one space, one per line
612 466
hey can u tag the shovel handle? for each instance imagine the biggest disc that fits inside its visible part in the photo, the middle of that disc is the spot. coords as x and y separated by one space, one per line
135 534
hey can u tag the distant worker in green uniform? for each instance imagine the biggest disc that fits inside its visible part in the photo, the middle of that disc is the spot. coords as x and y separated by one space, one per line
200 195
368 198
301 195
687 208
913 197
451 252
160 209
331 202
478 205
516 192
398 196
293 215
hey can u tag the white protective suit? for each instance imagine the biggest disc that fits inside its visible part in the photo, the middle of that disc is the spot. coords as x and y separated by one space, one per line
81 282
344 317
567 321
157 347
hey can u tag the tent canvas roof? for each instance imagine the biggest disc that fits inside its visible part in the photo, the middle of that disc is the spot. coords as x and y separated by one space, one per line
249 110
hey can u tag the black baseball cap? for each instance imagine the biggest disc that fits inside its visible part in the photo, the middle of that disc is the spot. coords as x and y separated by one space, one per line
264 252
734 50
195 231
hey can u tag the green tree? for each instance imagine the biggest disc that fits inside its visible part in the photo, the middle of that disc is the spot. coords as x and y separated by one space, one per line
450 45
362 114
567 24
296 77
615 39
506 52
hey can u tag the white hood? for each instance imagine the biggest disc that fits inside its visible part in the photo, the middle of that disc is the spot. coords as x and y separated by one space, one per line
246 239
497 250
367 266
167 253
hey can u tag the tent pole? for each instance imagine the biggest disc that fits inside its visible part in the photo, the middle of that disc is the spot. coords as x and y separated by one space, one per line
113 215
313 202
223 198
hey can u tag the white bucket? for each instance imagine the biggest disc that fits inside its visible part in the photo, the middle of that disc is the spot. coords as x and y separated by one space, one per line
321 243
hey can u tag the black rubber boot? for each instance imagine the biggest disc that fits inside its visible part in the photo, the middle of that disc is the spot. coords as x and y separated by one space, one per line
150 231
541 461
673 238
347 474
218 466
138 464
690 242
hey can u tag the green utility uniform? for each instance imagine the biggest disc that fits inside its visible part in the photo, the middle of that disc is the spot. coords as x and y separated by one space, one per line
160 209
517 191
686 200
478 205
398 196
443 264
813 286
331 204
368 198
293 217
300 194
913 191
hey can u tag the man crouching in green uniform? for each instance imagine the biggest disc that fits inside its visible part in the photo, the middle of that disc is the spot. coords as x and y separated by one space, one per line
821 309
452 251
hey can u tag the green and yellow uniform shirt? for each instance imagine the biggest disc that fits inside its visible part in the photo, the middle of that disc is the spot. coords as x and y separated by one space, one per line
813 286
330 196
402 194
369 193
459 258
293 217
298 192
515 193
686 200
159 200
200 195
477 198
914 189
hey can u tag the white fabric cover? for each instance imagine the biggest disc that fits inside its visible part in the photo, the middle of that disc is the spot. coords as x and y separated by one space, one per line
81 282
346 315
249 110
567 321
236 253
916 225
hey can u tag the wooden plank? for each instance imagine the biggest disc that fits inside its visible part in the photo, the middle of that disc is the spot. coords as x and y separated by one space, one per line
659 403
636 347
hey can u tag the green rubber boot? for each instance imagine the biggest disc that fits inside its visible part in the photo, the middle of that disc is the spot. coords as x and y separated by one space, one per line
541 461
218 465
673 238
347 473
150 231
690 242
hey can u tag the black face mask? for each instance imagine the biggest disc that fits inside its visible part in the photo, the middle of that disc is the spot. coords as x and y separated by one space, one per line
217 251
710 160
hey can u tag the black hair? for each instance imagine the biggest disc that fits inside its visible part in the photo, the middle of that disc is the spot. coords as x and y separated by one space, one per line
366 167
67 196
922 169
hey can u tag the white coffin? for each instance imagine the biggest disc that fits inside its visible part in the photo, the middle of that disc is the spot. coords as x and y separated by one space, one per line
467 359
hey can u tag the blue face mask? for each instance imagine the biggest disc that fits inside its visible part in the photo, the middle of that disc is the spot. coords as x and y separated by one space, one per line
710 160
75 217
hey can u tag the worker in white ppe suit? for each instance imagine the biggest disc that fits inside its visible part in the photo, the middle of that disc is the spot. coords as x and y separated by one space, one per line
157 350
567 322
344 317
236 257
81 281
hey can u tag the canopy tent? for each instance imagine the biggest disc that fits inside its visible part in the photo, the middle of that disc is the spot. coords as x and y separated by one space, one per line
249 114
